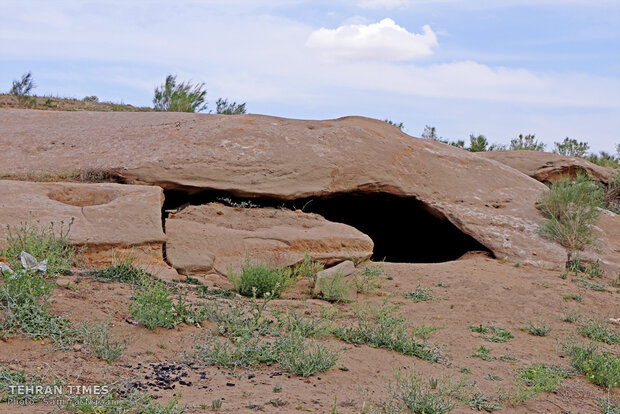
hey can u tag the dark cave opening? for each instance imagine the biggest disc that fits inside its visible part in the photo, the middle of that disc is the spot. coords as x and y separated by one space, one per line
403 229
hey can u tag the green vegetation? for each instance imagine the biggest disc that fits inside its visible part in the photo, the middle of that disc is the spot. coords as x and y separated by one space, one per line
538 378
123 271
539 329
483 353
412 393
477 143
101 342
382 328
496 334
571 317
22 88
334 288
571 147
43 242
368 279
420 294
600 331
604 159
223 107
308 268
182 97
571 208
424 332
299 358
527 142
154 306
571 296
398 125
599 368
263 278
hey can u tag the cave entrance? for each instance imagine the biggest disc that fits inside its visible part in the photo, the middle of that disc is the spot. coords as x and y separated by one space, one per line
403 229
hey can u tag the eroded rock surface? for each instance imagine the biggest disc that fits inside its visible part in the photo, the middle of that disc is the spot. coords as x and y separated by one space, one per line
254 155
217 237
103 215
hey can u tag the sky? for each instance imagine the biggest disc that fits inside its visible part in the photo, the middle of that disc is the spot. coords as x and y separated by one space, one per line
494 67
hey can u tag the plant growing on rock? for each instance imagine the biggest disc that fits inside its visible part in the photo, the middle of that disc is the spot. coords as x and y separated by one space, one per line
223 107
180 97
527 142
260 278
572 210
22 88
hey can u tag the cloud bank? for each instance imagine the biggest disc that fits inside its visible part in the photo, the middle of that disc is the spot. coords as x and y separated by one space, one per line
383 41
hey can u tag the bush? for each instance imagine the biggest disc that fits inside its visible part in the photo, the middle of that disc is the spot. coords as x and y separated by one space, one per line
571 147
599 368
101 342
182 97
477 143
527 142
22 88
571 208
334 288
123 271
600 331
262 277
42 242
539 378
604 159
301 359
223 107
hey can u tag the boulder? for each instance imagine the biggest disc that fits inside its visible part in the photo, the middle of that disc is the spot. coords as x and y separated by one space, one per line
104 216
548 167
286 159
217 237
325 278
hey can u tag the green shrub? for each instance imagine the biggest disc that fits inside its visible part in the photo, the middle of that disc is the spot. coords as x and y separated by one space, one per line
334 288
612 193
301 359
382 328
477 143
604 159
308 268
101 342
420 294
182 97
571 147
154 306
91 98
496 334
368 279
540 329
398 125
483 353
223 107
527 142
263 278
600 331
538 378
123 271
412 393
43 242
599 368
571 208
22 88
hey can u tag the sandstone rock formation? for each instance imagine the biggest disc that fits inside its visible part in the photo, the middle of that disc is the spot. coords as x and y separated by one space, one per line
215 237
548 167
285 159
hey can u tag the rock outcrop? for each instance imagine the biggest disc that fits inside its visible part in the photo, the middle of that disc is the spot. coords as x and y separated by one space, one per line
214 237
547 167
285 159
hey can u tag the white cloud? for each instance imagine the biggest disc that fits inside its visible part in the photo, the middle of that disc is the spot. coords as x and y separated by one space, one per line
383 41
388 4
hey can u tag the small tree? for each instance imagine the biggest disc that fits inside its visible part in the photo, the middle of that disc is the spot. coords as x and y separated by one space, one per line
223 107
182 97
477 144
399 125
527 142
24 86
429 133
571 147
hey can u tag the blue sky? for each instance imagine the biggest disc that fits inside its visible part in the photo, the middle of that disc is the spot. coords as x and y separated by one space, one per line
492 67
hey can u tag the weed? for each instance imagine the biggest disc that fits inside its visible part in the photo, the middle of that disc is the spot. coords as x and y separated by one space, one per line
507 358
9 379
308 268
608 407
480 402
492 377
182 97
301 359
496 334
223 107
483 353
277 388
412 393
571 296
424 332
600 331
154 306
334 288
381 328
420 294
294 322
571 208
599 287
262 277
466 371
101 342
599 368
43 242
537 329
368 279
571 317
122 271
538 378
22 88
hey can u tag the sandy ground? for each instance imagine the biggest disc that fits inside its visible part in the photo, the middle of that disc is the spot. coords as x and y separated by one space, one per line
475 290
